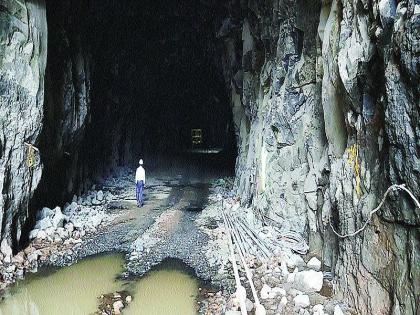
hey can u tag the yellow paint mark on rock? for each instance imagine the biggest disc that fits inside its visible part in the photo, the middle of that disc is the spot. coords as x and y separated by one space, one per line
353 160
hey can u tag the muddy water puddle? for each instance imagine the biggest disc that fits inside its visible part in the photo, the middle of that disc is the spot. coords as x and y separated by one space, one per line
168 289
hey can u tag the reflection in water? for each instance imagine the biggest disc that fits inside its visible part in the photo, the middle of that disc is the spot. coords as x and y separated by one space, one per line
166 291
74 290
68 291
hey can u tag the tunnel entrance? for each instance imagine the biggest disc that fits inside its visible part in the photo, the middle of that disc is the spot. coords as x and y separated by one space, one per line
157 80
130 79
157 77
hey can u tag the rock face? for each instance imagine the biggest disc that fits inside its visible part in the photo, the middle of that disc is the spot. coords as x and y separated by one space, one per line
326 111
23 47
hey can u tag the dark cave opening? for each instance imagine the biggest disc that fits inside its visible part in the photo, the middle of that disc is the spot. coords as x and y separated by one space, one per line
126 80
161 76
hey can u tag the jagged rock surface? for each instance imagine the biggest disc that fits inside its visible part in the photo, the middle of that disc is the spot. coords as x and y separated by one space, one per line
326 111
23 47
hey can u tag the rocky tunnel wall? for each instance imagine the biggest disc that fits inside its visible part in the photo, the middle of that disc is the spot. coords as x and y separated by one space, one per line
325 96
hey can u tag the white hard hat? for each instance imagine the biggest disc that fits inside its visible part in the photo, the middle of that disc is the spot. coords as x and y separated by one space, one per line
141 162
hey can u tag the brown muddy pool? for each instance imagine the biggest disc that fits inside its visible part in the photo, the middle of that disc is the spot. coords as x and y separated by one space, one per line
74 290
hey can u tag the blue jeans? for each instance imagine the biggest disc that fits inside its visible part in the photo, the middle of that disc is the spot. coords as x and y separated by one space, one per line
139 192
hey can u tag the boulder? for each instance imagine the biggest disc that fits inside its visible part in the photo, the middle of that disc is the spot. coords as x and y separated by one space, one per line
302 300
291 276
95 202
33 234
6 250
249 305
71 208
309 280
283 301
278 291
265 292
88 201
50 231
43 224
295 261
69 227
260 310
96 220
44 213
58 219
337 310
283 268
10 268
41 235
100 195
314 263
318 309
118 305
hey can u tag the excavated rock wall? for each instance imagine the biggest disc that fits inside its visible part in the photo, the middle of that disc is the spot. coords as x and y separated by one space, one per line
67 106
325 97
23 53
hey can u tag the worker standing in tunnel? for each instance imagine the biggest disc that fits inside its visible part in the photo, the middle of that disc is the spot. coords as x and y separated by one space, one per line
140 182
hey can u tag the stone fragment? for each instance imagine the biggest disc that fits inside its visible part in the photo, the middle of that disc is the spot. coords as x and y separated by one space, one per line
44 213
318 309
302 300
283 301
71 208
95 202
41 235
43 224
337 310
278 291
100 195
11 268
50 231
260 310
19 258
265 292
33 256
314 263
309 280
58 219
303 311
69 226
283 267
117 306
295 261
291 276
33 234
6 250
249 305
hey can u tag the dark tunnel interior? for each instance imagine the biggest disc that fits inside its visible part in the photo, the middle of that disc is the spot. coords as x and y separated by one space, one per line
157 71
133 78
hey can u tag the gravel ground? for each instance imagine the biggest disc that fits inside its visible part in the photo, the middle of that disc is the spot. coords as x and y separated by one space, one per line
170 214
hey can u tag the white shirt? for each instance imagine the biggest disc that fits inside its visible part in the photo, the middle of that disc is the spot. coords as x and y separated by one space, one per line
141 175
